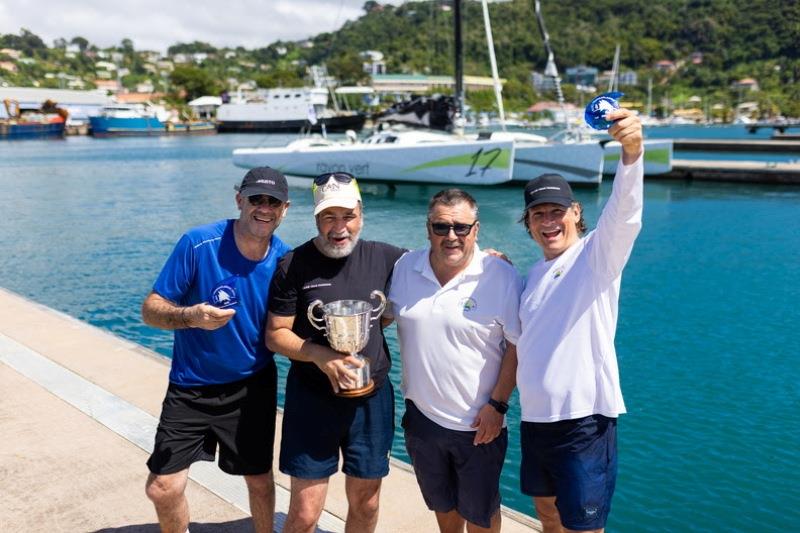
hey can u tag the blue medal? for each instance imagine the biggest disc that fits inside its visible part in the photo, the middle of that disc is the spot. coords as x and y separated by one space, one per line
595 114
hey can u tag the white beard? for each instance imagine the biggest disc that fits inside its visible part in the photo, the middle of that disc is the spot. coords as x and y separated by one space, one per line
336 252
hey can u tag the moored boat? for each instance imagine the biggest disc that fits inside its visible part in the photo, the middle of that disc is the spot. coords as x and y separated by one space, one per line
126 119
46 122
122 120
285 110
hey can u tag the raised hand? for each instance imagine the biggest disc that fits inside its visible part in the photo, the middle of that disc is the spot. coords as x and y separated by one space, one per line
627 130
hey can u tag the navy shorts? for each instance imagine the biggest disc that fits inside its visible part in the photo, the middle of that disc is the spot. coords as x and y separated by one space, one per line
452 473
238 417
575 461
317 425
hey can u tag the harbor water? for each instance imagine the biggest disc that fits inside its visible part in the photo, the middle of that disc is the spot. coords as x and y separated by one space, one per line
707 353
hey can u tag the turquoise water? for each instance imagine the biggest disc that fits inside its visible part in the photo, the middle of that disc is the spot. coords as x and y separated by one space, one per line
706 342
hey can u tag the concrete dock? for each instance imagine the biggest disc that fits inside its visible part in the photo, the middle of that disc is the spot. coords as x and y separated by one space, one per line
79 410
734 171
782 146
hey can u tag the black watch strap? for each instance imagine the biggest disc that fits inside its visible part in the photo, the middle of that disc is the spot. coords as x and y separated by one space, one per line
500 407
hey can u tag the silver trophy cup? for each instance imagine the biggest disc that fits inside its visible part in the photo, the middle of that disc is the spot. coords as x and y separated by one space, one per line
347 324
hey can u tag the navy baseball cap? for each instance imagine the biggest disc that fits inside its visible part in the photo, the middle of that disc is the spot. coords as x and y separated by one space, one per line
548 189
265 180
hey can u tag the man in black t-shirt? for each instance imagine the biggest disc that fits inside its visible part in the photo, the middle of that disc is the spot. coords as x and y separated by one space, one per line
317 424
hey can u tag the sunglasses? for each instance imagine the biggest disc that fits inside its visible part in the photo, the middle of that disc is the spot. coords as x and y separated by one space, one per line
341 177
258 200
442 230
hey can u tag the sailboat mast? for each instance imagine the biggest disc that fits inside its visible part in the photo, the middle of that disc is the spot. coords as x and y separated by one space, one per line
498 88
550 69
613 82
459 58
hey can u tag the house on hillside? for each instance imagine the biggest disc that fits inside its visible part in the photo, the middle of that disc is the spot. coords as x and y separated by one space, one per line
745 84
666 66
373 62
542 83
111 86
582 75
11 53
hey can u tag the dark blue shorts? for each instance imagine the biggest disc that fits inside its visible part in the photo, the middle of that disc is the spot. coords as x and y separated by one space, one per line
575 461
452 473
317 424
238 417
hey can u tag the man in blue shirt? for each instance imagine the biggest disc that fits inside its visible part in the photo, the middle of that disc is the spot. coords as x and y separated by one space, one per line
213 293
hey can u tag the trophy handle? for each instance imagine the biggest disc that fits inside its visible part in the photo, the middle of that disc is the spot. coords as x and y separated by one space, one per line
313 319
380 296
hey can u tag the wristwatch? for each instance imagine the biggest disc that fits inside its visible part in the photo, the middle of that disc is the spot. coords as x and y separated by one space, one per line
500 407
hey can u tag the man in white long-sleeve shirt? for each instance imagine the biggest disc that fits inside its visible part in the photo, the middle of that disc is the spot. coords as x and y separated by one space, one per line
567 372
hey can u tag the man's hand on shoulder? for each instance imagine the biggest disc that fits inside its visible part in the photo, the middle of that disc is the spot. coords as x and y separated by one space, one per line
205 316
498 254
627 130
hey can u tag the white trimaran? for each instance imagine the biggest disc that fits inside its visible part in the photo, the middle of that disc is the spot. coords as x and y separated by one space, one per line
432 157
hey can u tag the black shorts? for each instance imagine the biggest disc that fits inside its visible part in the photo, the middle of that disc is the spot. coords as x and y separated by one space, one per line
575 461
238 416
453 473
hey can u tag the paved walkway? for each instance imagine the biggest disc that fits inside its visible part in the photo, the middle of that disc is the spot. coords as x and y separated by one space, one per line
78 412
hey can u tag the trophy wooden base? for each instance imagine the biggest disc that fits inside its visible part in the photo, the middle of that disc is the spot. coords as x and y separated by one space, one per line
355 393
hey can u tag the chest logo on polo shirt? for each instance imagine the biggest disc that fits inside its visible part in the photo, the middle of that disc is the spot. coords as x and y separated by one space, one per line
224 294
559 271
467 304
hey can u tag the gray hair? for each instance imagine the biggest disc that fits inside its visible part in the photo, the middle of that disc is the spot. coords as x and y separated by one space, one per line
451 197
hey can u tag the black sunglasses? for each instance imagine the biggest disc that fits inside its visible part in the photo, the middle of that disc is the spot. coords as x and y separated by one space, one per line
341 177
442 230
258 200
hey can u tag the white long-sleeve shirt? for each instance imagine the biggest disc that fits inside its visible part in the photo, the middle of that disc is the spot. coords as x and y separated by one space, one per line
567 361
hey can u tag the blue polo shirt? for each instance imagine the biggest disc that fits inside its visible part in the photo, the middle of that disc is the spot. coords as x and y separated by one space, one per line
205 265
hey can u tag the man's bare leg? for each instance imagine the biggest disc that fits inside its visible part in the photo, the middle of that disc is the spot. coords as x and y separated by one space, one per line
305 505
494 525
450 522
548 515
167 492
261 490
363 496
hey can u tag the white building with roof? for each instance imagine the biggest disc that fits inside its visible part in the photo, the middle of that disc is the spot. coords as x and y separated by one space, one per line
79 104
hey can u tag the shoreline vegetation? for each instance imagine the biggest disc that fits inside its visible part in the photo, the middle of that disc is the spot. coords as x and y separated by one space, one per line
715 61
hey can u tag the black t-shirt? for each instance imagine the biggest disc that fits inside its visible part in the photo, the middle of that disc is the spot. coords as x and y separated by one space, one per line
305 275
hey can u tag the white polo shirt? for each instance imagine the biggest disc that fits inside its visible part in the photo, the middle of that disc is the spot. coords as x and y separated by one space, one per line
452 338
567 364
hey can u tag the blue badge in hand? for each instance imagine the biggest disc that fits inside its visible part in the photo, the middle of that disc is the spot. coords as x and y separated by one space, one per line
224 294
595 114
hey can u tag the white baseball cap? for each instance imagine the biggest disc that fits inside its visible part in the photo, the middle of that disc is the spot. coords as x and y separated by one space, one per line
335 189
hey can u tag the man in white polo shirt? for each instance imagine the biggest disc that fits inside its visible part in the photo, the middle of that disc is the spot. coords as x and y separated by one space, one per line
456 310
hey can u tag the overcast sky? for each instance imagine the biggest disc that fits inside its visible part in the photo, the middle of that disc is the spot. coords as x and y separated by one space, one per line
157 24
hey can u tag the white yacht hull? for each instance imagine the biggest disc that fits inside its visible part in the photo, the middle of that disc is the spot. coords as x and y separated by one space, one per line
657 156
459 162
578 163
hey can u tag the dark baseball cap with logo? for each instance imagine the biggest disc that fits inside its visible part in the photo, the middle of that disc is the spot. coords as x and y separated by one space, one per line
264 180
548 189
